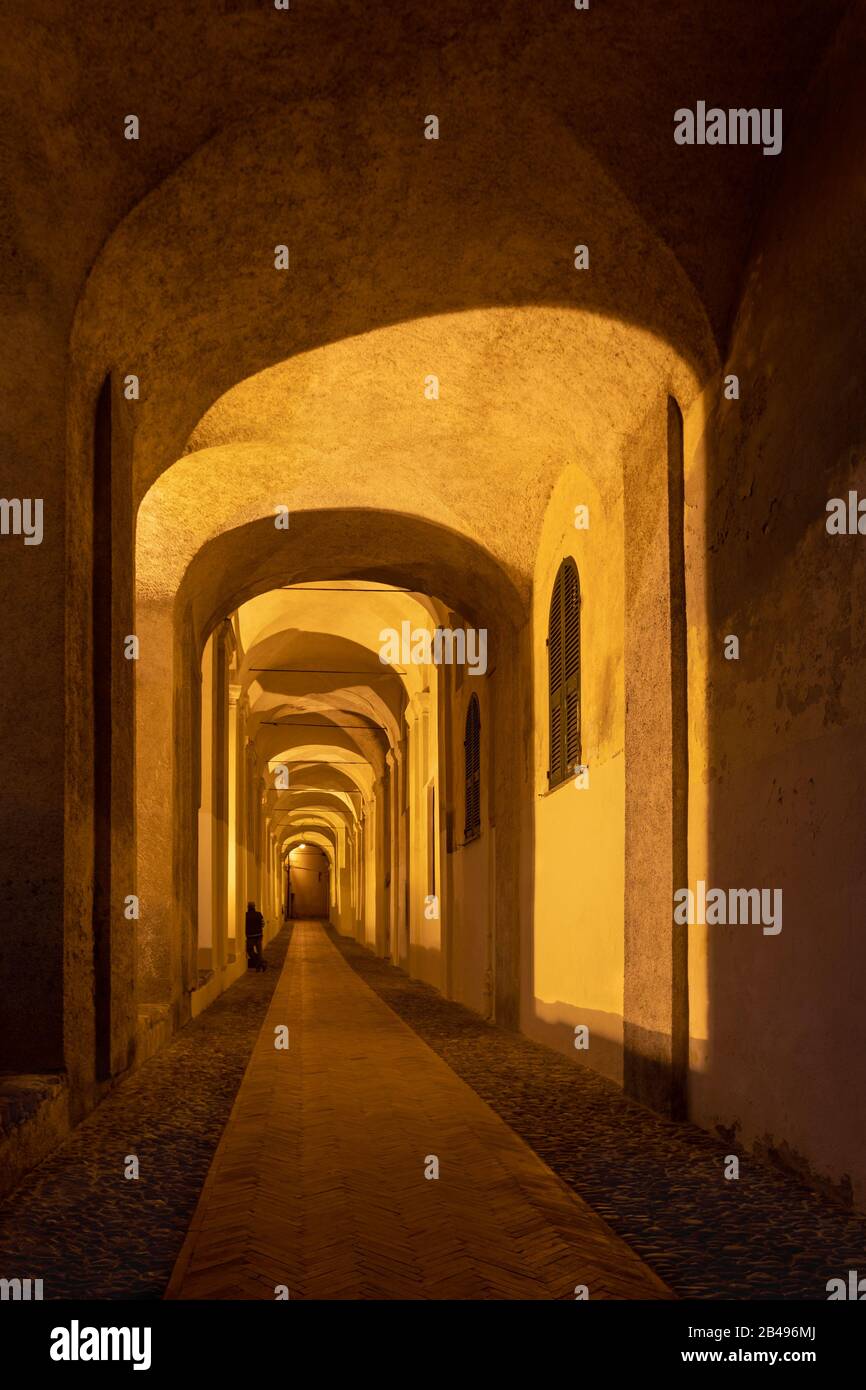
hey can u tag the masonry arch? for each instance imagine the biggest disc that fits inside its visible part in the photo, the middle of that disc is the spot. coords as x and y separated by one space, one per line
257 388
366 784
313 837
277 427
309 880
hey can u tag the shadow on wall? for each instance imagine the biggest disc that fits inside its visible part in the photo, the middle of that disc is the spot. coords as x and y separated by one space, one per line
777 1058
586 1035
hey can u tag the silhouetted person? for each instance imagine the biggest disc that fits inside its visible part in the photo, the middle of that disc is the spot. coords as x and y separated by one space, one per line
255 926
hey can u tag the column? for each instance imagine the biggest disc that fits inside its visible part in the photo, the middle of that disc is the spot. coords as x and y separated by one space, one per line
219 754
234 916
413 878
205 815
250 797
396 851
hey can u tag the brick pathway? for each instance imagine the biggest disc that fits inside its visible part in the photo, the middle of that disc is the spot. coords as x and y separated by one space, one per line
658 1183
319 1180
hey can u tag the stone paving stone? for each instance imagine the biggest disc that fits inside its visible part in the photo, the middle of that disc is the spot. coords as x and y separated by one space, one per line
76 1223
319 1182
87 1231
657 1183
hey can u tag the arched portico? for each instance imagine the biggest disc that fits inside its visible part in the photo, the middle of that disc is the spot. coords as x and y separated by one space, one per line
534 342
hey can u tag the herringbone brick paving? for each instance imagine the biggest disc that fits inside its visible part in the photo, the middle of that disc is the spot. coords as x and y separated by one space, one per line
319 1180
659 1183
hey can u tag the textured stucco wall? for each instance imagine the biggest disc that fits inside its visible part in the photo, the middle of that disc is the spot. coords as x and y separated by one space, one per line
157 257
576 968
778 1026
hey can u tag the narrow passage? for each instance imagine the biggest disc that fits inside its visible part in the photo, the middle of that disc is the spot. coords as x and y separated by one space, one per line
319 1186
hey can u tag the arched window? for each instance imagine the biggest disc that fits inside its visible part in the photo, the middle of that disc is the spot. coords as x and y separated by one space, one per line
563 665
472 750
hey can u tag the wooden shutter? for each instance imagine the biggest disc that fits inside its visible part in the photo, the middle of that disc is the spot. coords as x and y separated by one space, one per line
472 752
563 662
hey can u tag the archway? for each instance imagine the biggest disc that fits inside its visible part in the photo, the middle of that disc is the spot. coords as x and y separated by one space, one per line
435 350
309 881
282 440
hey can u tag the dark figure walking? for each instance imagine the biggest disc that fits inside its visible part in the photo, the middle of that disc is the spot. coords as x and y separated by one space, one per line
255 925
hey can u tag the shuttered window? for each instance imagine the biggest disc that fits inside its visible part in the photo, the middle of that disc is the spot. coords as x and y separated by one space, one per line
563 664
472 750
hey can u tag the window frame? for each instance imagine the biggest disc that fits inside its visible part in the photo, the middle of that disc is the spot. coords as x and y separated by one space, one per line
563 690
472 771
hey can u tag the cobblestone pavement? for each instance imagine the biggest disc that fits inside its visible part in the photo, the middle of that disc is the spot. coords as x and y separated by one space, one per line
87 1231
659 1185
320 1180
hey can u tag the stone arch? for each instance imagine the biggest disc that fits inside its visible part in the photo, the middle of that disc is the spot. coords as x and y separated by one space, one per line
345 154
234 567
313 837
195 444
321 844
165 434
225 258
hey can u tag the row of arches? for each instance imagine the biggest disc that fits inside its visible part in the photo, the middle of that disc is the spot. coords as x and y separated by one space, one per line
443 863
442 859
303 391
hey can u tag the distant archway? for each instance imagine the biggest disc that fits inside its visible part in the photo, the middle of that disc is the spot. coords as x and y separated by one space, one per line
309 881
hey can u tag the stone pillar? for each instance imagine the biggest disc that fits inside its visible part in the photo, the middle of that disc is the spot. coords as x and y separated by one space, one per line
414 878
250 795
345 846
353 887
404 845
383 870
158 958
448 780
397 854
362 882
371 832
268 871
271 873
424 932
206 954
275 875
235 817
379 864
220 785
510 826
258 789
655 1002
241 822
